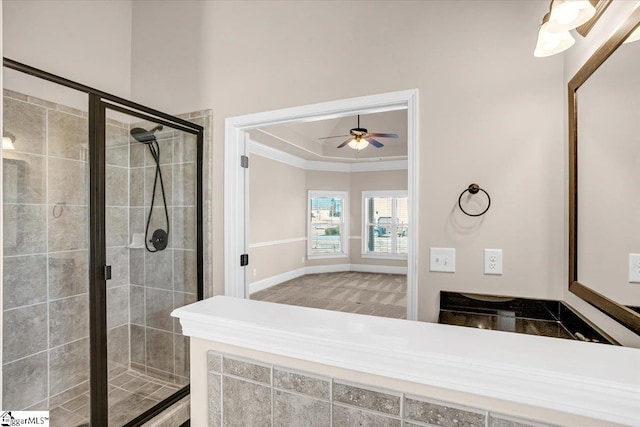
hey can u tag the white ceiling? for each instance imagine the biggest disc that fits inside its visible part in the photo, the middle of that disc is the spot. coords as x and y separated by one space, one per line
302 138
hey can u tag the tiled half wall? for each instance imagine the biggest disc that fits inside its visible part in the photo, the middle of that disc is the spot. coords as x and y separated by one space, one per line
246 393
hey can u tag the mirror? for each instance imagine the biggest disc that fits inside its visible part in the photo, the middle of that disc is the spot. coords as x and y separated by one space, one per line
604 156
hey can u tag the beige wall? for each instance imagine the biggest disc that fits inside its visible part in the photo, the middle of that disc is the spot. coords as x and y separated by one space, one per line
489 111
574 58
277 211
277 207
85 41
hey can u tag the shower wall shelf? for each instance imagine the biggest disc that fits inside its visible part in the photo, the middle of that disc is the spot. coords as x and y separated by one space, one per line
137 242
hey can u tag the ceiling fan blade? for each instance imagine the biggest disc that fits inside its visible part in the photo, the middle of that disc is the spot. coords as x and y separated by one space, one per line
344 143
383 135
375 143
337 136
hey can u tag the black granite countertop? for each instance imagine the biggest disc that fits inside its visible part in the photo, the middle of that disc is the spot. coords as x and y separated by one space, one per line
520 315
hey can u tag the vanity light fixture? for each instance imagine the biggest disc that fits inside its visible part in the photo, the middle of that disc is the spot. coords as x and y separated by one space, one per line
569 14
563 16
7 141
550 43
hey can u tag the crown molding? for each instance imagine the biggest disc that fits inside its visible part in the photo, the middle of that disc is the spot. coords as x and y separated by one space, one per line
314 165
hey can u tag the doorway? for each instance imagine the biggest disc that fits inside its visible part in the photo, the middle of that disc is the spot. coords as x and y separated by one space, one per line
237 145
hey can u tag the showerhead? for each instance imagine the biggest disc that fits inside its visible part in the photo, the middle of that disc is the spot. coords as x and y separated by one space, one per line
145 136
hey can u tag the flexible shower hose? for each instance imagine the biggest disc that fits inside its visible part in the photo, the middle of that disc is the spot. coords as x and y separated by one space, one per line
155 153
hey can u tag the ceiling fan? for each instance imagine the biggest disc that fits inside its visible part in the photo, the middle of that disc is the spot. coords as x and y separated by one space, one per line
360 138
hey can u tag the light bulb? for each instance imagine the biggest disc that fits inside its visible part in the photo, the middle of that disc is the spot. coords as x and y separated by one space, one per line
569 14
551 44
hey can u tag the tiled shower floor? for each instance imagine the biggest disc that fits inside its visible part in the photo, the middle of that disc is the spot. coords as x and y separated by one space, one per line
130 394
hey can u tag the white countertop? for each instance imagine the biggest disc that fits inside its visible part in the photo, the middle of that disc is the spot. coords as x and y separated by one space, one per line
595 380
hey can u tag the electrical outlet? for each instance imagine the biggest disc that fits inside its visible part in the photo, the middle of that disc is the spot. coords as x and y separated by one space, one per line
634 268
303 260
255 272
493 261
442 259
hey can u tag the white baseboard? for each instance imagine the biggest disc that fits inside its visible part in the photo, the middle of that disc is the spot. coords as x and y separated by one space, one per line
331 268
276 280
316 269
370 268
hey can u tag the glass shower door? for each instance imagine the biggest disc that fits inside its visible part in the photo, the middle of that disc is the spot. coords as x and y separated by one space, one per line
151 246
102 239
46 250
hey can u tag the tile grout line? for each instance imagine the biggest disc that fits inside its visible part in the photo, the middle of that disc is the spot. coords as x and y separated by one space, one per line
47 278
145 254
129 236
331 401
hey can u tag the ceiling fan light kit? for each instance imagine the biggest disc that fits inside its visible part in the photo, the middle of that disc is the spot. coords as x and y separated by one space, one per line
361 138
358 144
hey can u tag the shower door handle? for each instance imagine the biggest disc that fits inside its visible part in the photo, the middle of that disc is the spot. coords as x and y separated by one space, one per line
107 272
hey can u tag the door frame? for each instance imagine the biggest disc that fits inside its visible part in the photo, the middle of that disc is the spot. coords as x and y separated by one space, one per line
235 185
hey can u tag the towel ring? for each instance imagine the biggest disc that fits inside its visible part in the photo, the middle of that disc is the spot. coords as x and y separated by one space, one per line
474 189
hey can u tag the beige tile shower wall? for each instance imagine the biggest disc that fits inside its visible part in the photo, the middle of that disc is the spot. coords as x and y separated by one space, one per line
167 279
45 277
117 238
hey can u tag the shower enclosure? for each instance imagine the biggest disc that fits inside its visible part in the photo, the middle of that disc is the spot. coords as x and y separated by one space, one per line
103 219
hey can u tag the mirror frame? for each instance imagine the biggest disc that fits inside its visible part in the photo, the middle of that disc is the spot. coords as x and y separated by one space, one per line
619 312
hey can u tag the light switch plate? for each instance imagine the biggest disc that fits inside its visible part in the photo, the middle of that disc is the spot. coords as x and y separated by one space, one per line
634 268
442 259
493 261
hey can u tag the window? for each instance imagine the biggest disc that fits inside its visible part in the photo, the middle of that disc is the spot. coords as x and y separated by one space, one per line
385 224
328 232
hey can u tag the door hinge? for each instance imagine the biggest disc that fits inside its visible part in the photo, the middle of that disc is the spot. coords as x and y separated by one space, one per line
107 272
244 260
244 161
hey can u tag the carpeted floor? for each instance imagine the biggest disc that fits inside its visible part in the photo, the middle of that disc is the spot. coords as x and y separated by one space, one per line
375 294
